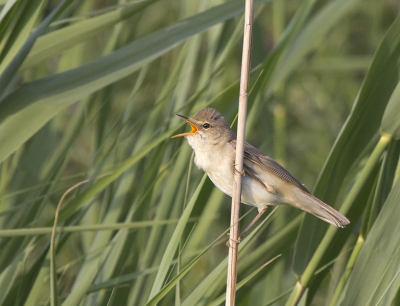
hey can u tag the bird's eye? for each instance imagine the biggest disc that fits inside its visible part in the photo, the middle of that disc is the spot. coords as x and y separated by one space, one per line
206 125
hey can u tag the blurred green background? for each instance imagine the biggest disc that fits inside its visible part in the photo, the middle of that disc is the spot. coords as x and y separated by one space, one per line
88 93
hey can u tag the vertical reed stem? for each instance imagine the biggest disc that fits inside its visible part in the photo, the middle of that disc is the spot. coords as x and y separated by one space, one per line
237 184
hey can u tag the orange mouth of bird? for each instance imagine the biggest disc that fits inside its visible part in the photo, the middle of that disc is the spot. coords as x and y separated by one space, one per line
194 128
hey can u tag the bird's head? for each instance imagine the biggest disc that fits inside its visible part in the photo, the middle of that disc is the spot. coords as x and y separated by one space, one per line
208 128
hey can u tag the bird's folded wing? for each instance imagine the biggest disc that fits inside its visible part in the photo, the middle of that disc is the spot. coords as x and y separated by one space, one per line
250 172
254 155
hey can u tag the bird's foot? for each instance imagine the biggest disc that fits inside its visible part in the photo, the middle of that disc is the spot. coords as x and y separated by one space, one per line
228 243
237 171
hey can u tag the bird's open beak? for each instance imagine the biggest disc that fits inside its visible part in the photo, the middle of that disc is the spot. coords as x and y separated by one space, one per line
194 128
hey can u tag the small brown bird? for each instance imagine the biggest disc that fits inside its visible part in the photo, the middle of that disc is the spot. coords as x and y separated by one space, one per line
265 182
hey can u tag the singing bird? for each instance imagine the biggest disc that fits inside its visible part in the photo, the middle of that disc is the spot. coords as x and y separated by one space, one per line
265 182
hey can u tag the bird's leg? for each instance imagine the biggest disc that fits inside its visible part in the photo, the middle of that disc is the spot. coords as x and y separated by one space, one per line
260 213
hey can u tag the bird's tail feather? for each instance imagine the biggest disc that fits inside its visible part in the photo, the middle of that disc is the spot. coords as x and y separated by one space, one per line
315 206
331 215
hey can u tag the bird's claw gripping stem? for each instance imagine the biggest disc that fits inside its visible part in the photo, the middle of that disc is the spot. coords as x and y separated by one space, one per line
233 240
242 173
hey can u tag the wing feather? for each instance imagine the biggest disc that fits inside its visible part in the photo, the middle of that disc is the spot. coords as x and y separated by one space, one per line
254 155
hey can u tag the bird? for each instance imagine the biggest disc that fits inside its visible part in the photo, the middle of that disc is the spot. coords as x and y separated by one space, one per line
264 183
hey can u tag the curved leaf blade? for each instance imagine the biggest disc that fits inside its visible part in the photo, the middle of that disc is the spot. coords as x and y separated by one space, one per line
360 127
70 86
391 117
377 268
